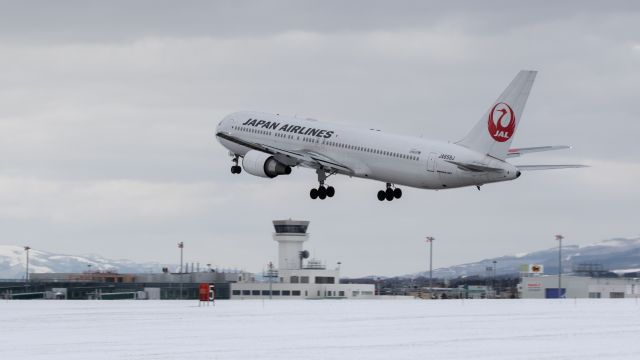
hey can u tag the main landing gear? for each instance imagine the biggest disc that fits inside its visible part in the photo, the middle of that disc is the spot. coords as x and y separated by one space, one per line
390 193
236 169
322 192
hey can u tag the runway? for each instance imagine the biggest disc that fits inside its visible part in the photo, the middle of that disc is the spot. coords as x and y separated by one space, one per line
321 329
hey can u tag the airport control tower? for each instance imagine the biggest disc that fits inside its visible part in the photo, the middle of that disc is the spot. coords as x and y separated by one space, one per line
293 279
290 234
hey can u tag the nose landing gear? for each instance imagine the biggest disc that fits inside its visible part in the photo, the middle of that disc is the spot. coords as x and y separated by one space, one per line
236 169
390 193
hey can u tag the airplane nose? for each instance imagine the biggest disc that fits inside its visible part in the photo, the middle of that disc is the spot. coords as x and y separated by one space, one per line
221 124
226 123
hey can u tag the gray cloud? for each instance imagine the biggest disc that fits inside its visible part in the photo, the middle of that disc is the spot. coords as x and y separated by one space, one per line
108 112
99 21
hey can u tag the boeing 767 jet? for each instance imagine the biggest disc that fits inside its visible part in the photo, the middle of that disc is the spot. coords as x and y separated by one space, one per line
271 144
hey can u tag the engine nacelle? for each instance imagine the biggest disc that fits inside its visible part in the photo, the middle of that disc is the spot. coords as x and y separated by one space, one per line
262 164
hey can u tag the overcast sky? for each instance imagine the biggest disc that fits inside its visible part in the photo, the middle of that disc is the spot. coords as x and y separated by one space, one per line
108 111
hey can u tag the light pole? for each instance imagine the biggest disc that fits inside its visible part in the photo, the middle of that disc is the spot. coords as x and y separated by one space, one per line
270 275
559 238
26 276
181 247
430 241
493 283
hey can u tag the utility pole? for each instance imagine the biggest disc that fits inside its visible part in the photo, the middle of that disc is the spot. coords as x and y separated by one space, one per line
430 241
559 238
26 276
181 247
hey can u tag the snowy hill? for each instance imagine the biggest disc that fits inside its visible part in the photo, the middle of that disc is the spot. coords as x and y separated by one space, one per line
13 263
613 254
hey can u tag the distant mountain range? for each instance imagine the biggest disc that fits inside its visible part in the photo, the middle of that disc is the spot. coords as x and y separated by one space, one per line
13 263
618 255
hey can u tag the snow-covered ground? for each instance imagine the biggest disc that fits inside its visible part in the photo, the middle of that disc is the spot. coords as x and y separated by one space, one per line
325 329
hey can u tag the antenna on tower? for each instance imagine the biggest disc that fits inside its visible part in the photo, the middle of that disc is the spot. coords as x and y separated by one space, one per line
304 254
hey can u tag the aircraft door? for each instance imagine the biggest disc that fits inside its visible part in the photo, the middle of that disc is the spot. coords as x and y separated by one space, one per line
431 162
432 180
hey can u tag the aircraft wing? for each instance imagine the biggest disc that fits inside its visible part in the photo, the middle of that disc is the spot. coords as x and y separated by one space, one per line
522 151
293 157
547 167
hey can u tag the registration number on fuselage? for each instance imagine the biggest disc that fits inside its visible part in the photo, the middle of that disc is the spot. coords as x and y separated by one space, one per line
446 157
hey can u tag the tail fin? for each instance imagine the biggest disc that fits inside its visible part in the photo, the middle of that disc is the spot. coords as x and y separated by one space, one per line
493 134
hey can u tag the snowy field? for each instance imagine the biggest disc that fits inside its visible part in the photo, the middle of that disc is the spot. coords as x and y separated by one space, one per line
322 329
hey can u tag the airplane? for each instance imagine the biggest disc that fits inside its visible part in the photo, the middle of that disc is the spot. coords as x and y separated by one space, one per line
270 145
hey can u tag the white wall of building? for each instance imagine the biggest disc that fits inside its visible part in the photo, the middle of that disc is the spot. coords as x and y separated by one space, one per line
534 287
289 248
304 283
301 291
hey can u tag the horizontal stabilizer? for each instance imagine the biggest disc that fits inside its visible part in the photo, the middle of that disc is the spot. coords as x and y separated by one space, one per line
473 167
548 167
521 151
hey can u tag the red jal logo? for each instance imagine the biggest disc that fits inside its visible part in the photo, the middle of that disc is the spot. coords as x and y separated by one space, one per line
502 122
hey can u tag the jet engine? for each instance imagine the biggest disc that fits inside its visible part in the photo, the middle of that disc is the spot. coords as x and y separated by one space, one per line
262 164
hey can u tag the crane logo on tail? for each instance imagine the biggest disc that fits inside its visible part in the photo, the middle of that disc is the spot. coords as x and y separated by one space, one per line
502 122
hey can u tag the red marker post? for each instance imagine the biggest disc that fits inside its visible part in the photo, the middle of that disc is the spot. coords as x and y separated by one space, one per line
206 294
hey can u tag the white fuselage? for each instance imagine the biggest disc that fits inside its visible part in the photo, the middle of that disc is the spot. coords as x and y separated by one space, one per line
370 154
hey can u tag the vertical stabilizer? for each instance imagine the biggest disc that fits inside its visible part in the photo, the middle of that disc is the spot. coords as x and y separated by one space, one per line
493 134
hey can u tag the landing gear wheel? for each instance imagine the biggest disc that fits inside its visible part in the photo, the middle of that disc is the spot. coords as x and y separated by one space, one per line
381 195
322 192
389 195
236 169
397 193
331 191
313 193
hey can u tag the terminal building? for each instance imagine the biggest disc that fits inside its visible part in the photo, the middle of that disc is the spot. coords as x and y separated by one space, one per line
296 275
580 284
107 285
